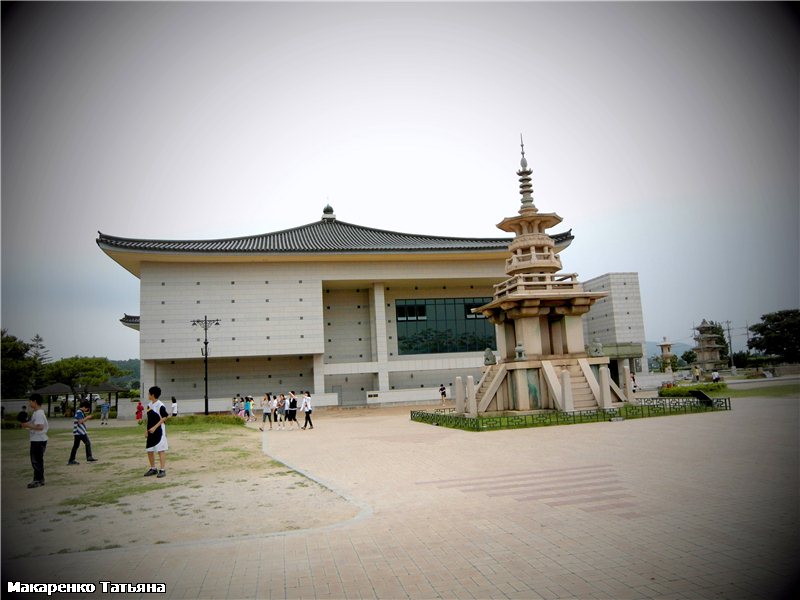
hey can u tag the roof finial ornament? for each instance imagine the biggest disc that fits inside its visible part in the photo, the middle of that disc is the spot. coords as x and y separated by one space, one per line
525 187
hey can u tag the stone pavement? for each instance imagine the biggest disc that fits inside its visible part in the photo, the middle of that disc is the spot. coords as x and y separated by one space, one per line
693 506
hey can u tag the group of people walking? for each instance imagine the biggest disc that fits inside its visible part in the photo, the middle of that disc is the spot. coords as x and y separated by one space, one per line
281 410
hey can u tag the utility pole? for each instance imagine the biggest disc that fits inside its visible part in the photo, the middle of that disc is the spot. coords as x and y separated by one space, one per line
730 348
205 323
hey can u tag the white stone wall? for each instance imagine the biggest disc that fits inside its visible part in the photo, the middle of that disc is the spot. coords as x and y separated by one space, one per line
347 317
617 318
262 311
277 319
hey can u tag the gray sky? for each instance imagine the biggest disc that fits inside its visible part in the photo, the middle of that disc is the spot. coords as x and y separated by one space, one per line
665 135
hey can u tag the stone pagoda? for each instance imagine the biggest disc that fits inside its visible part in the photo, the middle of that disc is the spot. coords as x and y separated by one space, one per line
537 313
708 347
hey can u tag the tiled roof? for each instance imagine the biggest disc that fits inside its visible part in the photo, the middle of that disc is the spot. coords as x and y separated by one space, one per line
131 321
326 235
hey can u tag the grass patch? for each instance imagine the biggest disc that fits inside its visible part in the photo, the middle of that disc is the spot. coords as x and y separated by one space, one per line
112 494
769 391
204 423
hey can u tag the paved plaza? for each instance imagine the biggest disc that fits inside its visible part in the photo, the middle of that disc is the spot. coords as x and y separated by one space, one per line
694 506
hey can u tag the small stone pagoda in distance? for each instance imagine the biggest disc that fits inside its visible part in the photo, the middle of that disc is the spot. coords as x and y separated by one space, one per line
708 347
537 314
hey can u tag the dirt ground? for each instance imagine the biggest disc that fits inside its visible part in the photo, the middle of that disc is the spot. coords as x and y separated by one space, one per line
219 484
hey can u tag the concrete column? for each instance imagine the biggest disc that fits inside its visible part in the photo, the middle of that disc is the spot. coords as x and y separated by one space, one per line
573 326
605 387
504 333
472 401
459 395
319 374
566 392
645 366
148 377
626 373
381 340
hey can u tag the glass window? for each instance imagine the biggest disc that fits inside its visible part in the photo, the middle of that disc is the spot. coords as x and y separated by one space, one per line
429 326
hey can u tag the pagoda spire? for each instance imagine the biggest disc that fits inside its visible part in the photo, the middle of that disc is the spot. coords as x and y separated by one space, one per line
524 173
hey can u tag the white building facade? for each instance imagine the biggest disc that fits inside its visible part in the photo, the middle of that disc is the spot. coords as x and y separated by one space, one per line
353 314
617 321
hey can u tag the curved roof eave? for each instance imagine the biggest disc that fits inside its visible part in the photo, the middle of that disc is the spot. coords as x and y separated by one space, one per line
322 240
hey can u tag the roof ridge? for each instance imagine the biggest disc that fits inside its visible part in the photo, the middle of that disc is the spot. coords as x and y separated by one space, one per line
324 222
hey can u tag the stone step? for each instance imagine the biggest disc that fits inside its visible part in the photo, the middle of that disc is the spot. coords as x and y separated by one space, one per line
584 405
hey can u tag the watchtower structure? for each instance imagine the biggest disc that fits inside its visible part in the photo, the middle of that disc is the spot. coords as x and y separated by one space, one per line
537 314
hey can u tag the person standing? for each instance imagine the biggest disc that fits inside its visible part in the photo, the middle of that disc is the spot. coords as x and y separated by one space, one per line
273 407
281 412
443 393
291 411
307 409
79 434
266 413
174 407
37 428
139 411
248 409
156 433
105 407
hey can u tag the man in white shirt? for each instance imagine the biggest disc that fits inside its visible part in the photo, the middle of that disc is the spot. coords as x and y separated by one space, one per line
37 428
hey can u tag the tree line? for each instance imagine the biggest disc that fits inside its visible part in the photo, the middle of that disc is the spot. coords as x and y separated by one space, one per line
775 340
27 366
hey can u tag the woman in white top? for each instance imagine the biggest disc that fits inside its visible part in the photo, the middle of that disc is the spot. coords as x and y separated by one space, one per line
266 410
306 408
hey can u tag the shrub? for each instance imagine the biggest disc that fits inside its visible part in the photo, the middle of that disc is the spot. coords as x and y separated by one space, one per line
203 422
682 391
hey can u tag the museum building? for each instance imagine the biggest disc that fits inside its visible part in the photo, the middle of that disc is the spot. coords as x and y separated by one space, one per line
356 315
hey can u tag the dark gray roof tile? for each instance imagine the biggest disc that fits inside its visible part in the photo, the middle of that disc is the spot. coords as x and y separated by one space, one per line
326 235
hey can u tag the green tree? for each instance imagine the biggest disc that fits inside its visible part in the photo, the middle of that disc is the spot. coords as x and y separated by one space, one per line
41 356
18 367
741 359
690 357
778 334
654 363
81 371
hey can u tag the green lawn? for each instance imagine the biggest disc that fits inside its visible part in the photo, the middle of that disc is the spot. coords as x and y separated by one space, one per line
769 391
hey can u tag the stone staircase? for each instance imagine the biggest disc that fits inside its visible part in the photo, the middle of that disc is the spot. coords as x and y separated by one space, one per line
485 382
582 396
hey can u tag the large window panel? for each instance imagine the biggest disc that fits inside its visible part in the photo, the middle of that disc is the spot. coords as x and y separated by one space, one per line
439 325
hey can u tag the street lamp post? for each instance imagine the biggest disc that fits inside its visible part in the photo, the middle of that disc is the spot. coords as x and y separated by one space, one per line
205 323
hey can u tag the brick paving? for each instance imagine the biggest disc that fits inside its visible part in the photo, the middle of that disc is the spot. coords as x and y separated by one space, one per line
691 506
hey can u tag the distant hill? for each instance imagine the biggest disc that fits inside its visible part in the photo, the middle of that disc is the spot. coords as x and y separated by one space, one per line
132 379
677 348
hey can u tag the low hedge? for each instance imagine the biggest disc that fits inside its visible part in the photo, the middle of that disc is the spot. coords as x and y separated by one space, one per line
682 391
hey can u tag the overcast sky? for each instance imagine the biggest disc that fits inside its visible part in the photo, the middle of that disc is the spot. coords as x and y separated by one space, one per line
665 135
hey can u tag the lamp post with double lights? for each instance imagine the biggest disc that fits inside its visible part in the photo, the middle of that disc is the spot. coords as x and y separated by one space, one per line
206 324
